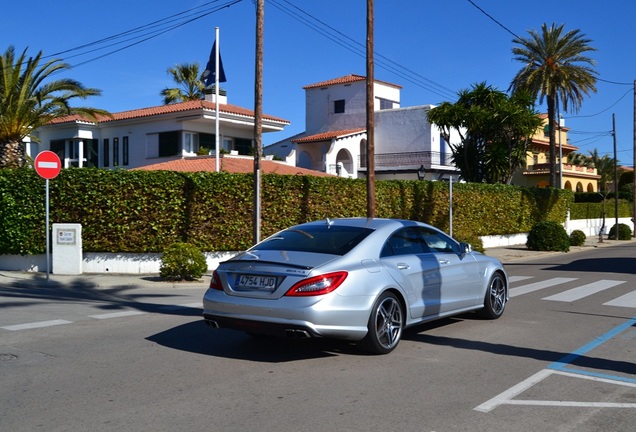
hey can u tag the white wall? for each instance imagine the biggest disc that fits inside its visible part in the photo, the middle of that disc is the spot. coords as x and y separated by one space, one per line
403 130
150 263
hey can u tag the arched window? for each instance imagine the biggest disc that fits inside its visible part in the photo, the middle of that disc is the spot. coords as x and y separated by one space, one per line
568 185
579 187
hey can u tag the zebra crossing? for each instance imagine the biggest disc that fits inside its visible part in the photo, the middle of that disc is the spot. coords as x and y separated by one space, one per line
521 285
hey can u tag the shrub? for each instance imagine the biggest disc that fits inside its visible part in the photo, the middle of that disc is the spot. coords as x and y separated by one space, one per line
548 236
624 232
182 261
577 238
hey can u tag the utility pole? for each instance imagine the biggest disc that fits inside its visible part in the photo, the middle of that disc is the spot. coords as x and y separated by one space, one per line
370 116
615 175
258 118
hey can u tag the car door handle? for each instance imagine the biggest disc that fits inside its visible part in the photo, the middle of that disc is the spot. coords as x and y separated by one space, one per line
403 266
444 261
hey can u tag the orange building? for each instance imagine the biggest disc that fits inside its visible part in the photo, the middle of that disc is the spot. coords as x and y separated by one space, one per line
537 170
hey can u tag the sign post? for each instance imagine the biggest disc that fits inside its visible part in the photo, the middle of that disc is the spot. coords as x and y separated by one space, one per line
47 165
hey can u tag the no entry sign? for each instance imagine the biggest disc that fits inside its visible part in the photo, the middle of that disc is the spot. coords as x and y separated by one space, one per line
47 164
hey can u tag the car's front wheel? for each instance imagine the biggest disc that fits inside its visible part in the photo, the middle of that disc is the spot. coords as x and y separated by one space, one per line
385 325
495 299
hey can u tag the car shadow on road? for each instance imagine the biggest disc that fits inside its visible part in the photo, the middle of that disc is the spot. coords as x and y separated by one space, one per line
586 361
196 337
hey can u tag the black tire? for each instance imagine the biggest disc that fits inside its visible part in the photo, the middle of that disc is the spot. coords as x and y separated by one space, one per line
495 298
385 326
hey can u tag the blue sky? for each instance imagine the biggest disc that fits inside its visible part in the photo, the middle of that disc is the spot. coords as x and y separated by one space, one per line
432 48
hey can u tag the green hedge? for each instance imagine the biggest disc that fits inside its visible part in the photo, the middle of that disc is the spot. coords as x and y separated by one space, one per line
594 210
145 211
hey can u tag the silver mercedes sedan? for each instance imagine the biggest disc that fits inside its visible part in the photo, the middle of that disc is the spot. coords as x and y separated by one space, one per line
356 279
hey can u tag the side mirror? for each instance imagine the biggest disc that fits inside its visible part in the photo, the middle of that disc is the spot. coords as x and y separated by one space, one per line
465 248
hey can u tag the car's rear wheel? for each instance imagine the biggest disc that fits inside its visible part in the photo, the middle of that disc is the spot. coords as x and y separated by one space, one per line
495 299
385 325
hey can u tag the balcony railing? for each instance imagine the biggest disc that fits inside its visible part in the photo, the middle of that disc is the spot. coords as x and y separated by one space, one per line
387 160
545 168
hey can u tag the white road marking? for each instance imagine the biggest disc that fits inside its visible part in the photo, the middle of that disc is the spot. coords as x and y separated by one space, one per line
39 324
197 305
513 279
116 314
572 404
506 398
583 291
525 289
627 300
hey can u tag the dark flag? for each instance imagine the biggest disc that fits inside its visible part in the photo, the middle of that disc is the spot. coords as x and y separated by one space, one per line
209 75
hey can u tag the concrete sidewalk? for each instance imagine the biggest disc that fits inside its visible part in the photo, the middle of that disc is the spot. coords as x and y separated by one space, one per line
505 254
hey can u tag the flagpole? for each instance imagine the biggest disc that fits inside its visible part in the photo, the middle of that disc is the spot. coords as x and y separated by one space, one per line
216 101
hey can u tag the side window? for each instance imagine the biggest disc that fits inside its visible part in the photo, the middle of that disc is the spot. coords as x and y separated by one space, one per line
438 242
405 241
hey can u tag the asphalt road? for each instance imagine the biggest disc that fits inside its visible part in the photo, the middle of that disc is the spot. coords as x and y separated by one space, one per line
562 358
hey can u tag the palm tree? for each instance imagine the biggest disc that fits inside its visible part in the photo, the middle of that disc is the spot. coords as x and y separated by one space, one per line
556 68
605 166
187 75
494 131
26 102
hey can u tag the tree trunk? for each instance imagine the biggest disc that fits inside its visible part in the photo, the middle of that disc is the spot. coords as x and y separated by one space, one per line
11 155
552 129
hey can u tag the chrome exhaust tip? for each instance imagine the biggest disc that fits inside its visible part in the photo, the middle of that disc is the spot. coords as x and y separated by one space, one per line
297 334
212 323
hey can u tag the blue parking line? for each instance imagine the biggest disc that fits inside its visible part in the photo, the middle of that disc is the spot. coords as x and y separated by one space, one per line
562 364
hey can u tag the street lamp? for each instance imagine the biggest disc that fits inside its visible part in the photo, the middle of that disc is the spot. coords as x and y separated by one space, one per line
421 173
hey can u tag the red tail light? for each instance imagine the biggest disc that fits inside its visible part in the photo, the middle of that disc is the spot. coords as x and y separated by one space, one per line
215 282
318 285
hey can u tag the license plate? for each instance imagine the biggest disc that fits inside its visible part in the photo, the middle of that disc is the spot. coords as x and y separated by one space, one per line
256 282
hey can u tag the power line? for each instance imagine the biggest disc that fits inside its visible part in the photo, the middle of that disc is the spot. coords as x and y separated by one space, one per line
614 82
143 33
359 49
493 19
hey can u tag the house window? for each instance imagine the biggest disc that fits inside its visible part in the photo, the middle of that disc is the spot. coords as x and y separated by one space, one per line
91 152
57 147
227 144
169 143
385 104
106 152
115 151
190 142
125 151
339 106
207 141
244 146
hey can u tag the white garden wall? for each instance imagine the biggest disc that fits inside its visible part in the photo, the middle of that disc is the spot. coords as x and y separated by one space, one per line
125 263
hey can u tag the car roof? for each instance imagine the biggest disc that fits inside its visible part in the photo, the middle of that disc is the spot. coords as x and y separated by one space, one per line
372 223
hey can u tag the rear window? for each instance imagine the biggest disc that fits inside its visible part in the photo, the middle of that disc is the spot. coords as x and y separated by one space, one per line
335 240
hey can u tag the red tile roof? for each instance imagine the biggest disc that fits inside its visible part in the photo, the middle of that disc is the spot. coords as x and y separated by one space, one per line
230 164
323 136
168 109
346 80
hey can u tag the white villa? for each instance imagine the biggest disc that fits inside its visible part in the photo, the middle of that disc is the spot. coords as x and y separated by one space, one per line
149 136
334 141
406 145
